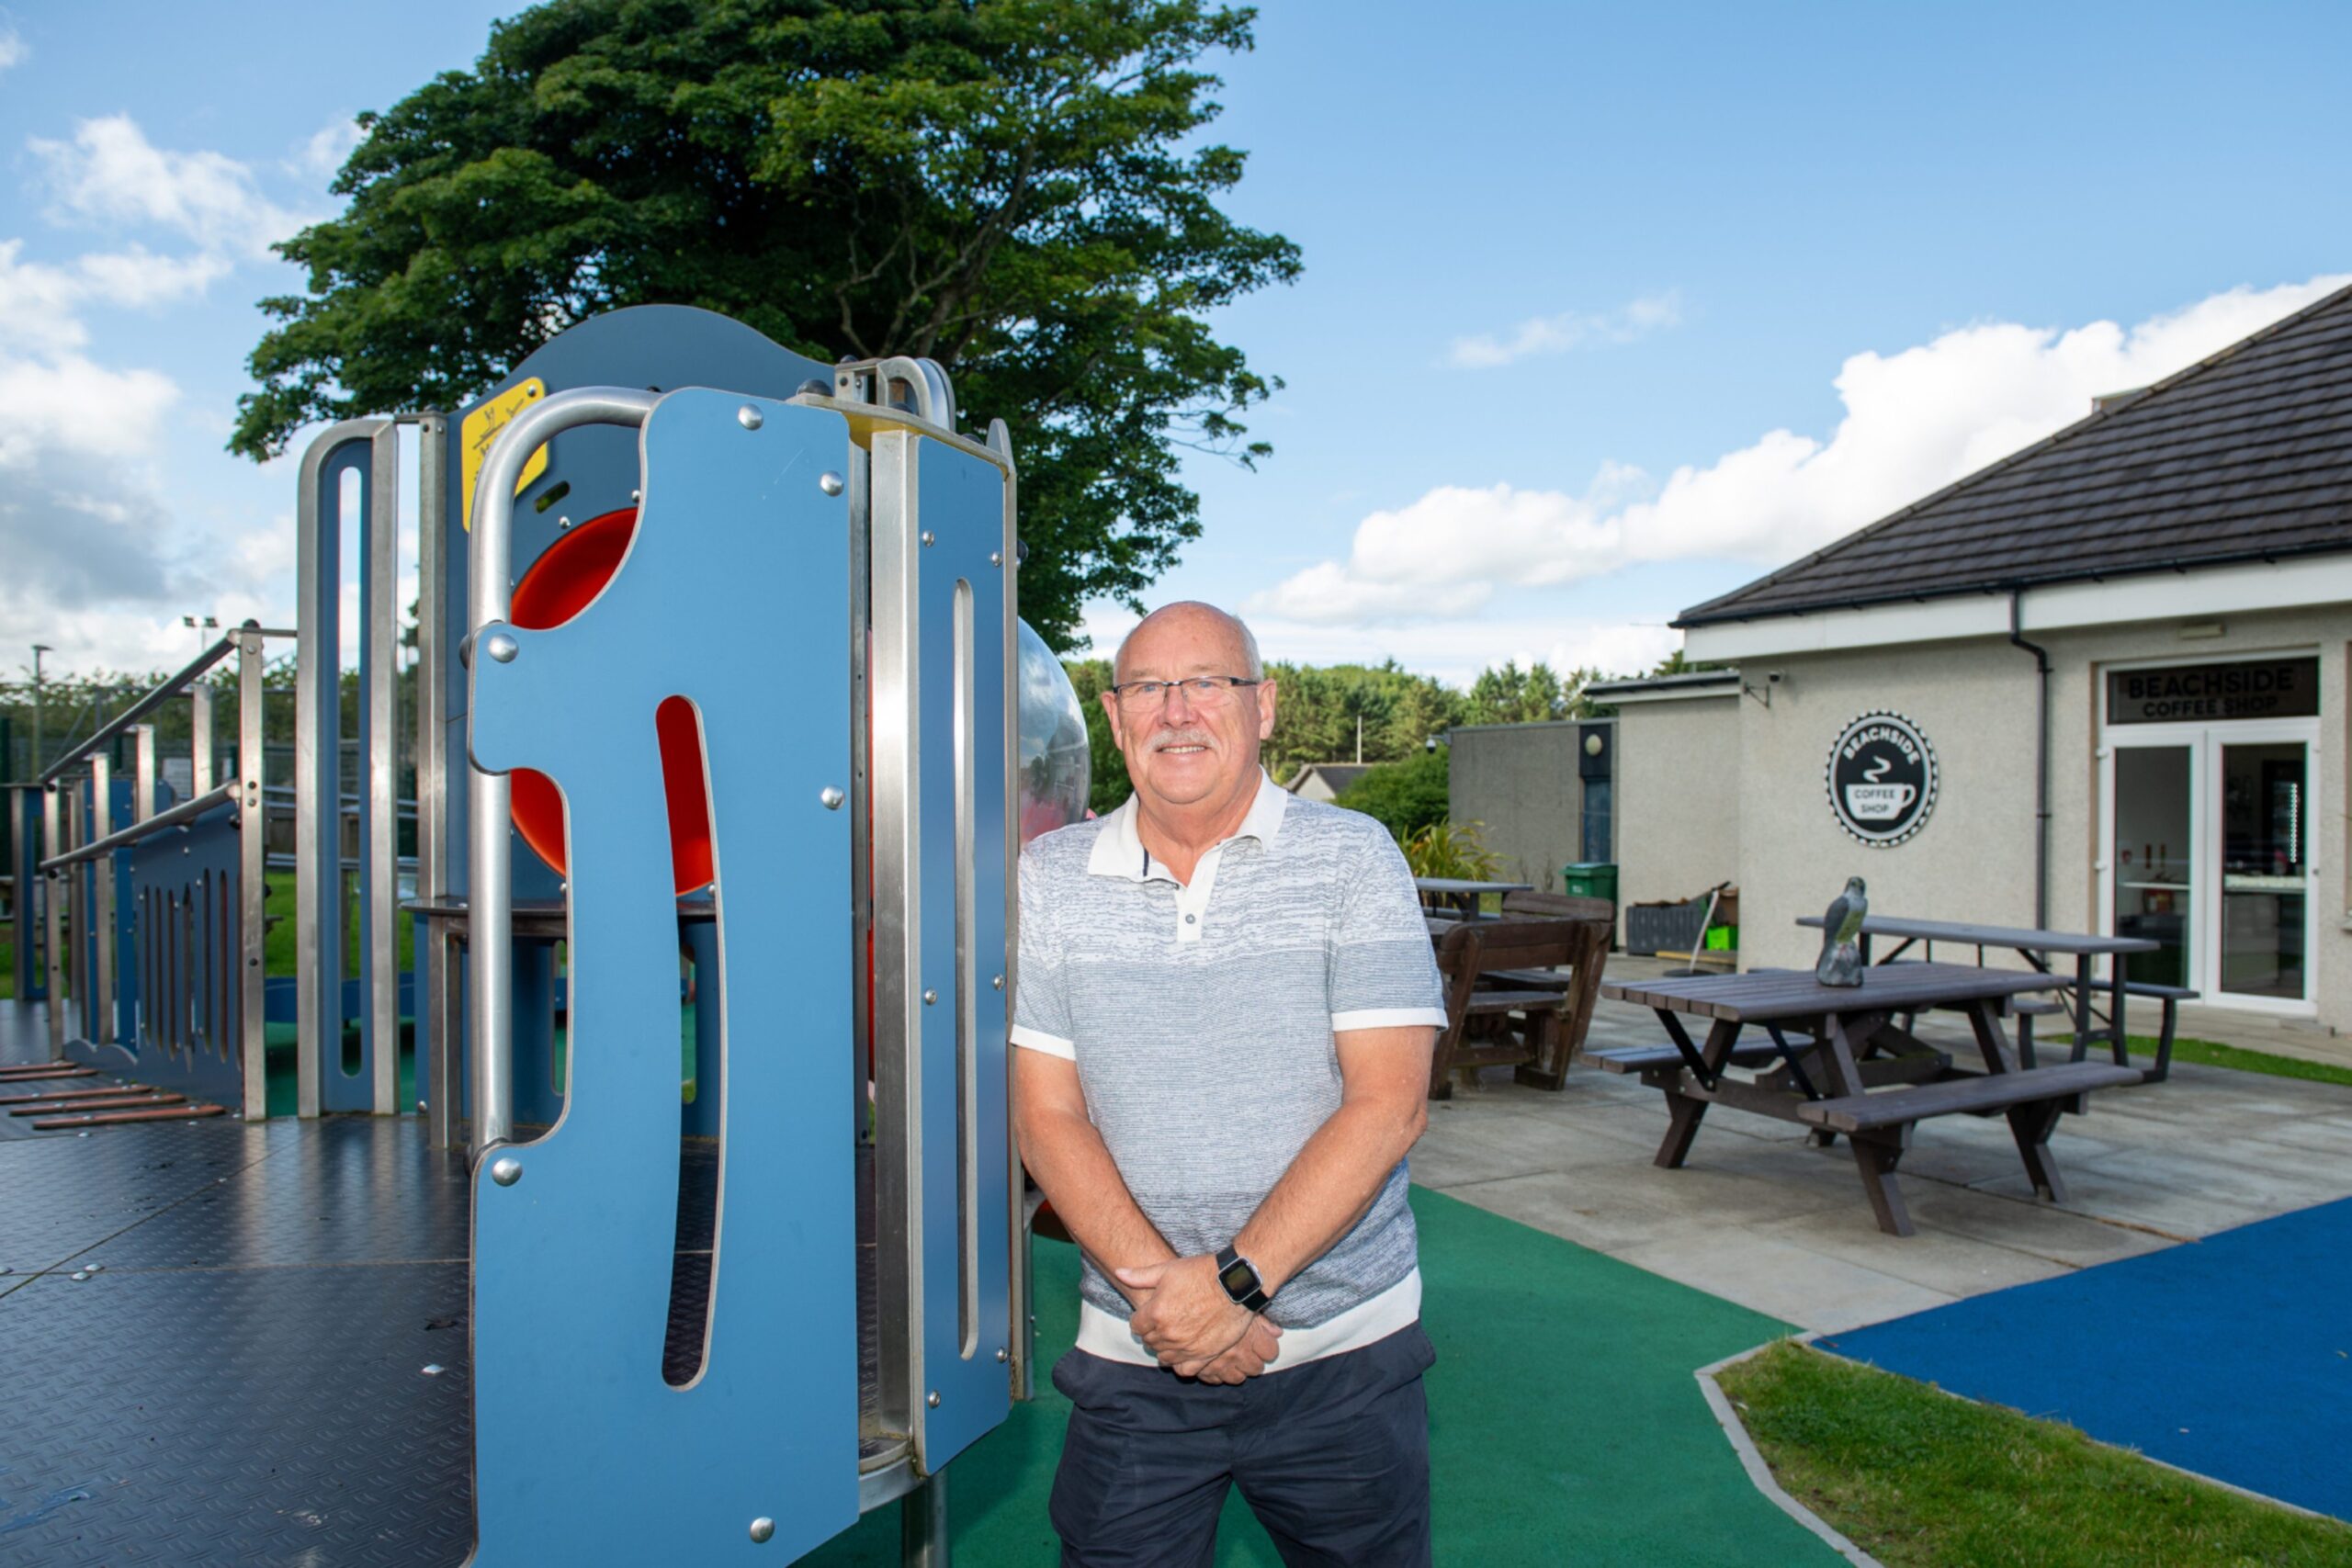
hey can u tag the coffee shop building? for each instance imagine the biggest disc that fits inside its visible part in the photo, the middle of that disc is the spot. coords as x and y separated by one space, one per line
2100 685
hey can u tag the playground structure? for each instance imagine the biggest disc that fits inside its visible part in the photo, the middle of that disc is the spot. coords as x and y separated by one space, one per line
668 576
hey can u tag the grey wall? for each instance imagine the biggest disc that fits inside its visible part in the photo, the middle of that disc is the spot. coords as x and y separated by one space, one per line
1677 797
1519 781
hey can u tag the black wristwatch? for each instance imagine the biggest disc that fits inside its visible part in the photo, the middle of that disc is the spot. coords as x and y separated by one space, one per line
1239 1277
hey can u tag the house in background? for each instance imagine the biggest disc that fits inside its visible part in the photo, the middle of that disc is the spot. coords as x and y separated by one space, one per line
1324 781
2098 685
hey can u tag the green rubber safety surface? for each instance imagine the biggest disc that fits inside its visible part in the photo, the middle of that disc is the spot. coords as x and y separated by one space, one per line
1565 1423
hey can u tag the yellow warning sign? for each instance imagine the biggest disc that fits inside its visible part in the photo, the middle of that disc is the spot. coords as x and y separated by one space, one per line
480 428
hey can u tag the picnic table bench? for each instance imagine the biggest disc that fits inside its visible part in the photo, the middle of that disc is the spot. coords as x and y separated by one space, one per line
1462 893
2035 946
1518 993
1846 1068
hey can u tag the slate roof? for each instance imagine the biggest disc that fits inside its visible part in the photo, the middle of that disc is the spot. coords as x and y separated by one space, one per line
1336 777
2246 456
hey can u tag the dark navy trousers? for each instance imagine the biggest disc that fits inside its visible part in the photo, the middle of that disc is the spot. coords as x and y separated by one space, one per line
1332 1455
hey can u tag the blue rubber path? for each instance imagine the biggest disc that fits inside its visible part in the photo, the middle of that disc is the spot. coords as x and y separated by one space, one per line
2230 1357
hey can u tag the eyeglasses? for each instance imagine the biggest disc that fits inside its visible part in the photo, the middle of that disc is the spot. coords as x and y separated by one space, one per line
1201 691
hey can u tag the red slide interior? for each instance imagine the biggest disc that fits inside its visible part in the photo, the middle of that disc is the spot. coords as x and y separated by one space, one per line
558 586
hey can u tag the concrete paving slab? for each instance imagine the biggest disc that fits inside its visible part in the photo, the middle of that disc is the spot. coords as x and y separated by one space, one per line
1955 1264
1768 1273
2027 1224
1761 1219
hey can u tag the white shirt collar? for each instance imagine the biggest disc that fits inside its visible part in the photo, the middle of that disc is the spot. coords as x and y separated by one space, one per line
1119 852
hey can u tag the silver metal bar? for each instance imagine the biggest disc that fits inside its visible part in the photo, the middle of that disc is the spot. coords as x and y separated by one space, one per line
434 1011
24 880
891 685
1007 558
380 542
445 995
489 886
851 385
102 921
253 889
53 914
171 687
142 781
172 817
922 1524
965 764
77 909
200 738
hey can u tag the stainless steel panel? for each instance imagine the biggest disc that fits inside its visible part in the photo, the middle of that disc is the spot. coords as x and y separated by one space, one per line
380 872
489 886
253 890
102 921
891 687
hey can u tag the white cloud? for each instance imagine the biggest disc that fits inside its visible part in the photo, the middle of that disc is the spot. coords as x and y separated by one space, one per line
13 50
320 157
111 173
1915 421
41 304
1569 329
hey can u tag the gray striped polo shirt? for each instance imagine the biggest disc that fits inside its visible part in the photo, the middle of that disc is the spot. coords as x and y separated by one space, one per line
1201 1019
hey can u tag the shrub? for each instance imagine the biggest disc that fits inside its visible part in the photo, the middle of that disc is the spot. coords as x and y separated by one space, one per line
1404 797
1452 849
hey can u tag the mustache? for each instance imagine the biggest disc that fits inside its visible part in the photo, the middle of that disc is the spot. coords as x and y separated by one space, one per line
1186 736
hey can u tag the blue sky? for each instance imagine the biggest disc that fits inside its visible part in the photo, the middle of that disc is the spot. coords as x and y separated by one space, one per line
1606 309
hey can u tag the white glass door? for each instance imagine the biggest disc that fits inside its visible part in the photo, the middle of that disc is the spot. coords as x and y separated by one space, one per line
2260 861
2152 862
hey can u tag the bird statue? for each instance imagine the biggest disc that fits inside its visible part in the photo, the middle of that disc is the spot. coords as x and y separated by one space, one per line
1841 926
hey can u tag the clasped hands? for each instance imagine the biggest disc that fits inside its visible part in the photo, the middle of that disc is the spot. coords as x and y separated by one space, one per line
1183 1316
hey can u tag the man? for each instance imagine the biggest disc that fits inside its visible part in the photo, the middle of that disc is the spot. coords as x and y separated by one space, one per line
1226 1010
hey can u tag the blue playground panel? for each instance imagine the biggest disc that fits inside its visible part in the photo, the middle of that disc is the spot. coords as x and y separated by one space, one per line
2230 1357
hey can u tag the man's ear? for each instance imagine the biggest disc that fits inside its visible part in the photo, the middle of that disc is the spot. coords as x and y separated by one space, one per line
1110 701
1266 704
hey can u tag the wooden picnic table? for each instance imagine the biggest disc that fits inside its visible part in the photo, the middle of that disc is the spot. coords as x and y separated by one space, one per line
2035 947
1836 1061
1462 893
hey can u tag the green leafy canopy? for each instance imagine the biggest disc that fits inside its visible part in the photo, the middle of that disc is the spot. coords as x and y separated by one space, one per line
1013 187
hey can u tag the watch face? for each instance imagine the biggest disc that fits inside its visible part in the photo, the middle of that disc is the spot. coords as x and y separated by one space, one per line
1238 1279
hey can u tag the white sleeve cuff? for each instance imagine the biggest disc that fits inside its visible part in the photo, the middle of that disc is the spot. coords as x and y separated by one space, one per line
1386 1018
1038 1040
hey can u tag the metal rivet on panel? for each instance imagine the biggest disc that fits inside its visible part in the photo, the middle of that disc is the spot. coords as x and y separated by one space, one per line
563 522
929 537
636 496
829 482
507 1172
431 1369
933 1400
995 558
762 1529
997 982
1001 1355
929 998
749 417
77 1275
501 647
831 797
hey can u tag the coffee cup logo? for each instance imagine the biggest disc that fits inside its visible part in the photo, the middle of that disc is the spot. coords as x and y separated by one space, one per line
1879 802
1881 779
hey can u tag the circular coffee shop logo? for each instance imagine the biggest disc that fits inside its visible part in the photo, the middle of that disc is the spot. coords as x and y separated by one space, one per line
1881 779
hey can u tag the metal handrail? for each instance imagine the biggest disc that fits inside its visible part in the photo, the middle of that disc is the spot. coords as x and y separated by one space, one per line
172 817
490 891
172 687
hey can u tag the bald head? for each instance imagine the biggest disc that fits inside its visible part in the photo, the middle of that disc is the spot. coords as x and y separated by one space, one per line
1192 616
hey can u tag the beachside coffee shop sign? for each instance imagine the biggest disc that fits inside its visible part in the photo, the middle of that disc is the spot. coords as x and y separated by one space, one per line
2197 693
1881 779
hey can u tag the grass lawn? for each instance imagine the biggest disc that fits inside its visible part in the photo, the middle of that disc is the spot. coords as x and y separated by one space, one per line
1922 1480
2212 1055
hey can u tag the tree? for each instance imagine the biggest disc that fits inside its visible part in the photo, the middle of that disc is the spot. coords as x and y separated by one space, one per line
1108 787
1405 798
1018 189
